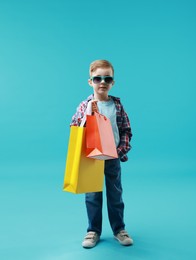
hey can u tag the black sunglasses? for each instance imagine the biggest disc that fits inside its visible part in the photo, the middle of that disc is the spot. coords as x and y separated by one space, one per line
98 79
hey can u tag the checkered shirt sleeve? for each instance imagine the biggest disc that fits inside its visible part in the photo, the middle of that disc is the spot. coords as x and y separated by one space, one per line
124 131
80 111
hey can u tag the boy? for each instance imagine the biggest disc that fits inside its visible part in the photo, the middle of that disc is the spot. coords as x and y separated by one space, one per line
101 80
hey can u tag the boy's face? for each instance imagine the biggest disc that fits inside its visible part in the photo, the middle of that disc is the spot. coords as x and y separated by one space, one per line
101 89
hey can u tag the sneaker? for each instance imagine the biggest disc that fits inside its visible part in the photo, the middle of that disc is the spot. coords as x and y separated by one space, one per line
90 239
123 238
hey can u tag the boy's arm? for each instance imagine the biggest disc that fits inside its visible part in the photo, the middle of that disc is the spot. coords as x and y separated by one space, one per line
77 117
125 137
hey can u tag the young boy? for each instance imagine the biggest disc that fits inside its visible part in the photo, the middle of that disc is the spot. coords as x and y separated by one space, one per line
101 80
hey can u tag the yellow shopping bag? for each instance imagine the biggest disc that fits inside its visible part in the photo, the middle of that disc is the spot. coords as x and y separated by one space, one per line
82 174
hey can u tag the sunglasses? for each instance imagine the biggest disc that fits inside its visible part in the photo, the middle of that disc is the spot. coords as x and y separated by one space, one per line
98 79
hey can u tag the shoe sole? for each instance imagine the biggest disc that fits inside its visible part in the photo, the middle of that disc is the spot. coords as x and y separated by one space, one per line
90 246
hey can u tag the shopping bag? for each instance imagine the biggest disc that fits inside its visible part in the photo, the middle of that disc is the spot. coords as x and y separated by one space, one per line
100 143
82 174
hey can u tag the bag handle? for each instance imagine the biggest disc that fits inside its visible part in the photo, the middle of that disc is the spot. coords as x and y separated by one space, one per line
92 107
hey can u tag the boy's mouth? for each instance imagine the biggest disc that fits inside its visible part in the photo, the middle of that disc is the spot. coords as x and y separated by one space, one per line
103 88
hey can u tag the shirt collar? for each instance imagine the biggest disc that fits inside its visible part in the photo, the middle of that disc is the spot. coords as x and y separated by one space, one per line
114 98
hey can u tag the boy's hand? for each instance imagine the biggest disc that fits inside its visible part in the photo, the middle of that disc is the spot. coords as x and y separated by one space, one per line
92 107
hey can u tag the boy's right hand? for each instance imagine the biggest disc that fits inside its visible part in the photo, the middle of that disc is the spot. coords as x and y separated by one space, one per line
91 107
94 106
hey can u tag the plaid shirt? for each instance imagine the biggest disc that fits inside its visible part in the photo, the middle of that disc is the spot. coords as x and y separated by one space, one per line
122 123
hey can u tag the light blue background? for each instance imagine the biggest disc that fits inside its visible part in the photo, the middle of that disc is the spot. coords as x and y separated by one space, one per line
45 51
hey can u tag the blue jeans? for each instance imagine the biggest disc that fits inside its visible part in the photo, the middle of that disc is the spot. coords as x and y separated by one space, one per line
115 205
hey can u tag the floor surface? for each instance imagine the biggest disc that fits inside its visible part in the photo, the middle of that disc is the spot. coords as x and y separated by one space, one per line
41 222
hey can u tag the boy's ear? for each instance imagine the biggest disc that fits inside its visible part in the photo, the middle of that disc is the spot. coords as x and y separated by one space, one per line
90 82
113 83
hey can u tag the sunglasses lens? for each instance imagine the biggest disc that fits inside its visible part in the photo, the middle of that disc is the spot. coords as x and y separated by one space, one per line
108 80
97 80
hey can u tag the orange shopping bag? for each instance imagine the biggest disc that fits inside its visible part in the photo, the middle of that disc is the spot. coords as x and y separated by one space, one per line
100 142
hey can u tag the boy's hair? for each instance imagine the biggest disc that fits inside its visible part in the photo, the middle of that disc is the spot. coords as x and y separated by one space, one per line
100 64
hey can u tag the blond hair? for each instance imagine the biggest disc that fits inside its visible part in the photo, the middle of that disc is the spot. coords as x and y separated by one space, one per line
100 64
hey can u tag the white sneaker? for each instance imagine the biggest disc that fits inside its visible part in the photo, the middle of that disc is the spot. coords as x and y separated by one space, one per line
91 239
123 238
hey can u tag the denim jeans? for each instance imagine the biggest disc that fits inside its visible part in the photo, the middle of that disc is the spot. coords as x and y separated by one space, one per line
115 205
